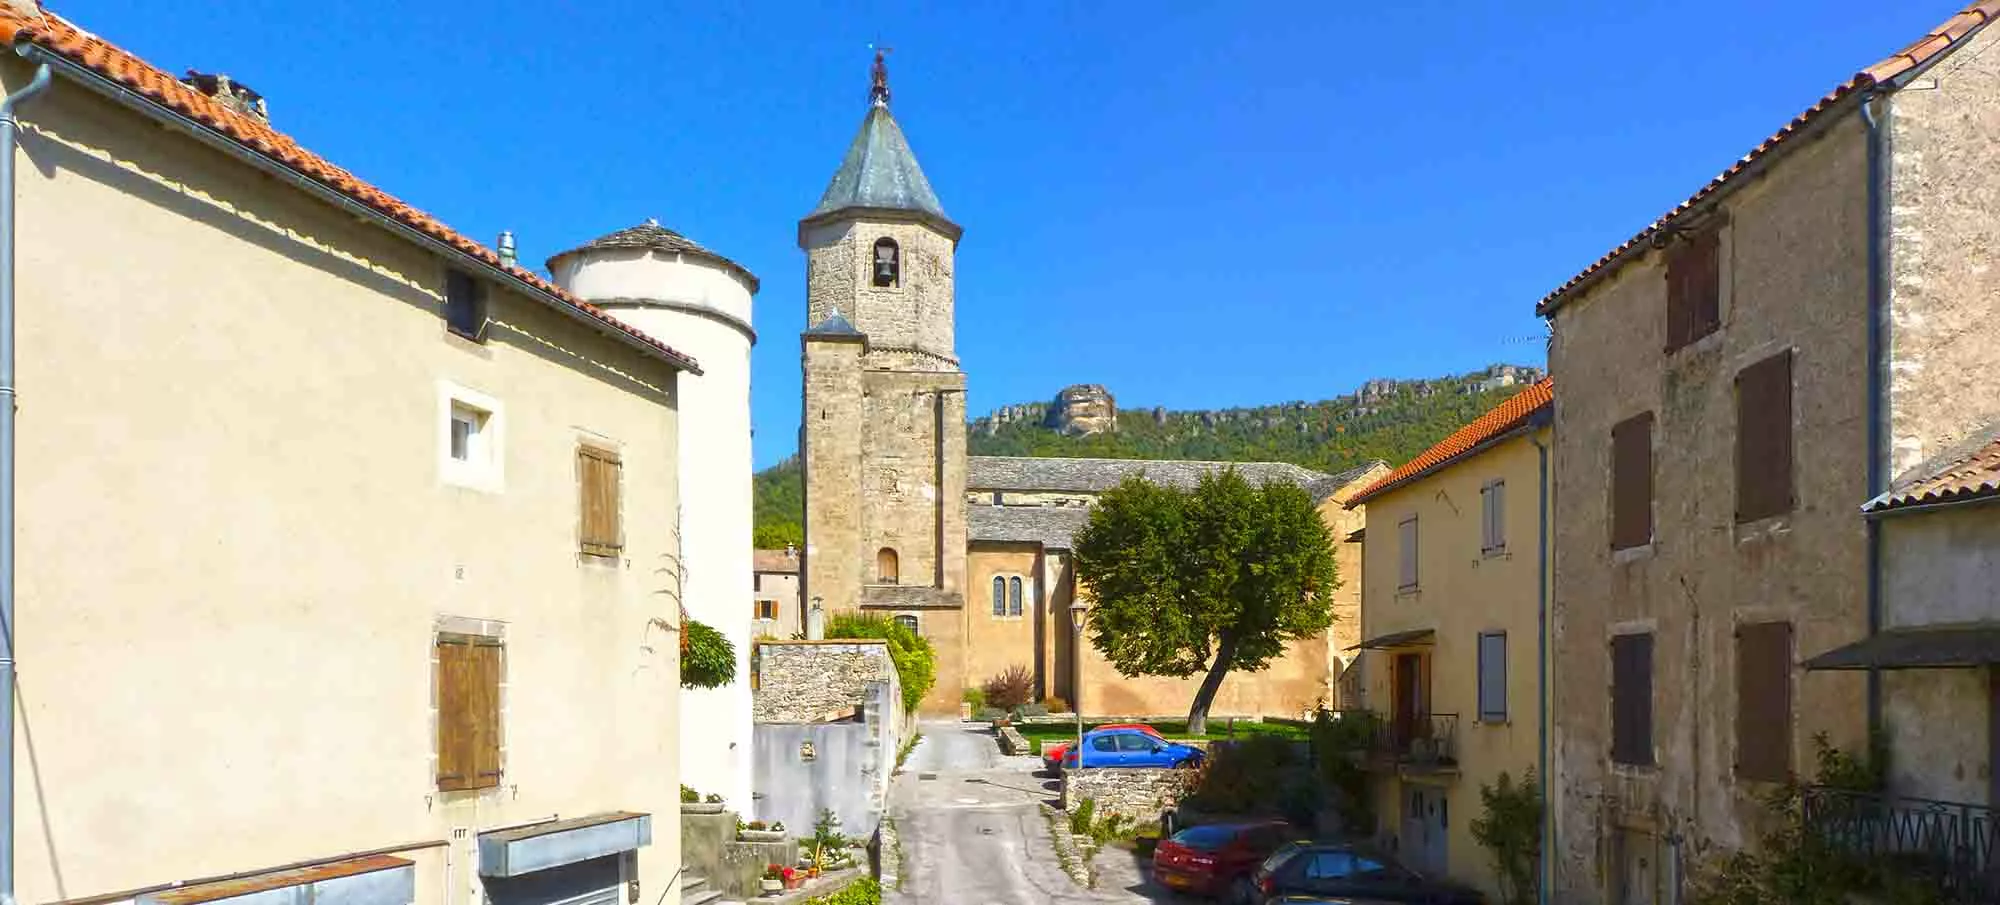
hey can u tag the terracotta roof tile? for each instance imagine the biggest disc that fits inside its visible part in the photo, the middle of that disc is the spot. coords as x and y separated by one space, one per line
1506 416
59 37
774 561
1925 49
1971 477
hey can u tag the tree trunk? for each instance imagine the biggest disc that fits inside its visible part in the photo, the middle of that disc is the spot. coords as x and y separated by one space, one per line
1225 656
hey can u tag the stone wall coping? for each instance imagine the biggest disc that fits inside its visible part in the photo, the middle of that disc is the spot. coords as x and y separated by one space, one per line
773 642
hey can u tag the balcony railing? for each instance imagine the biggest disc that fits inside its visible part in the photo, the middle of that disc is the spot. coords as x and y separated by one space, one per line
1426 742
1951 844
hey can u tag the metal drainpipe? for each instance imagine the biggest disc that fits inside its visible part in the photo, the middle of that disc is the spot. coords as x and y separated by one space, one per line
8 135
1878 199
1543 867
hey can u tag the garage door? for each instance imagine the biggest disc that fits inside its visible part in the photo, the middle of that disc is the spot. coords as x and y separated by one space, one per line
592 882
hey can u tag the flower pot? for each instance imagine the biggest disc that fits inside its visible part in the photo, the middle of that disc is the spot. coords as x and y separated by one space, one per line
703 807
793 881
760 835
773 887
812 873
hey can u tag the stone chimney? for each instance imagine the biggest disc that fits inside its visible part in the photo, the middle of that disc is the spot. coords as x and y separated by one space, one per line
226 91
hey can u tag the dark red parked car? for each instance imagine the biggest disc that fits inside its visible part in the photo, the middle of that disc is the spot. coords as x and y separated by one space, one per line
1207 860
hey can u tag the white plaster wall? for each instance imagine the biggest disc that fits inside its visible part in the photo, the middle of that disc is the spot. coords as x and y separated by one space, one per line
715 513
1940 567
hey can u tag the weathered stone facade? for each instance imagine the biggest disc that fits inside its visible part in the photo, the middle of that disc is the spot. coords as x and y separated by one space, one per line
1795 256
1140 793
816 681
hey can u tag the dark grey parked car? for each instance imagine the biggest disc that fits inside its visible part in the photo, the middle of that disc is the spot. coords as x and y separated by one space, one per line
1348 873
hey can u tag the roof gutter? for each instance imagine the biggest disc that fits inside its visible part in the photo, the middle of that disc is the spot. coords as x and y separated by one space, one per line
8 129
126 97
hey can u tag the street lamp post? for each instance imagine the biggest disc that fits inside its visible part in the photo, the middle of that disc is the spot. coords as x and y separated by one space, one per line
815 620
1076 611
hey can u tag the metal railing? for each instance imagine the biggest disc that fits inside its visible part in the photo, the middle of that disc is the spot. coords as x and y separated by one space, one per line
1952 844
1428 742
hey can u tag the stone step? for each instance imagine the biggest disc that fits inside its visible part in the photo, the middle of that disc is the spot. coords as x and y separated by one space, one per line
695 891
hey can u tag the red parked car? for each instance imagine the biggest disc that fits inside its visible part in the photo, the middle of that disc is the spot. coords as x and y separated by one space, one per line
1208 860
1052 753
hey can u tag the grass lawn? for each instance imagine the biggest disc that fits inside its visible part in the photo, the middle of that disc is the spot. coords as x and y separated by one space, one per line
1037 733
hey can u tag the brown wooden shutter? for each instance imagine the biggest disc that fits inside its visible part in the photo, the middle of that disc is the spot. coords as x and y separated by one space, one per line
468 691
1764 701
485 717
1632 699
1694 287
1764 439
1632 482
598 474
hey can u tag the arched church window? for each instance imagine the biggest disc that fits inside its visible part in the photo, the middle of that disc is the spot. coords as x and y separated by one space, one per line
909 622
1014 596
886 571
999 596
888 262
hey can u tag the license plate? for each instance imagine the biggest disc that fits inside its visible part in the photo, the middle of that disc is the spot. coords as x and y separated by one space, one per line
1176 880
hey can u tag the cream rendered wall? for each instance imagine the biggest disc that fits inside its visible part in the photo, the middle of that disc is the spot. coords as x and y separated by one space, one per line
1462 593
703 309
234 543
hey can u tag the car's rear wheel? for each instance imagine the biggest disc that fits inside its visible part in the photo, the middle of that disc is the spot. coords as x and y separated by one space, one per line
1242 892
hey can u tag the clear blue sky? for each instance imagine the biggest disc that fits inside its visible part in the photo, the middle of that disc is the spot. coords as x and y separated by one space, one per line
1197 205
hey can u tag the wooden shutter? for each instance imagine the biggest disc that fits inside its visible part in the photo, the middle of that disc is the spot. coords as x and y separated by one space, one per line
1764 701
598 473
1694 288
1493 677
468 693
1406 549
1632 482
1764 439
1632 699
1493 516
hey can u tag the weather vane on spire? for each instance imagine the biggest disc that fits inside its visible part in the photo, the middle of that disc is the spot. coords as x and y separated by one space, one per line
878 91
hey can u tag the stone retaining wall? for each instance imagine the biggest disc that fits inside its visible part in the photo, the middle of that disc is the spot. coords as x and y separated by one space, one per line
817 681
1140 793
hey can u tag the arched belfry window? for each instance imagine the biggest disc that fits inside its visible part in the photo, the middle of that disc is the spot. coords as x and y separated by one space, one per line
999 596
888 262
886 571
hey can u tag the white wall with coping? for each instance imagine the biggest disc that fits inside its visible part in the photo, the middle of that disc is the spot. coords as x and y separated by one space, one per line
703 309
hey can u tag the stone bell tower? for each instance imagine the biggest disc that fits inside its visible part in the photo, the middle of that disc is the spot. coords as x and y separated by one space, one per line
883 434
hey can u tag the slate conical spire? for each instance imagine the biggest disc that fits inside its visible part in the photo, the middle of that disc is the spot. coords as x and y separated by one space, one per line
880 172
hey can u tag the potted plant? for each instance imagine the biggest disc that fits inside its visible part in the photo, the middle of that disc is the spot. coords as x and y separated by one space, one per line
693 803
792 878
774 880
759 831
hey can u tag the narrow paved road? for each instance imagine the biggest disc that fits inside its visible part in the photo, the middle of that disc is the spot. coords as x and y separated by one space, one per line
972 833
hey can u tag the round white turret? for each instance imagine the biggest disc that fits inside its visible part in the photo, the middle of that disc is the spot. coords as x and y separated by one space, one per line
697 302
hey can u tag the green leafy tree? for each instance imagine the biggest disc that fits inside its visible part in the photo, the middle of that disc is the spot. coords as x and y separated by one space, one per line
1208 581
1510 829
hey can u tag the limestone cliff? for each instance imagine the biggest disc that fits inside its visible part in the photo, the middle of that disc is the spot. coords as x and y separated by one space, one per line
1083 409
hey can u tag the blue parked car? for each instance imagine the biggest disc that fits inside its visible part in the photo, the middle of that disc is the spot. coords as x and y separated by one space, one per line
1129 748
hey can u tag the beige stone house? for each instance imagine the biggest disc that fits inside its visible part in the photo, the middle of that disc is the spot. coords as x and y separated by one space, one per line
899 521
340 537
1452 619
774 610
1805 332
1021 513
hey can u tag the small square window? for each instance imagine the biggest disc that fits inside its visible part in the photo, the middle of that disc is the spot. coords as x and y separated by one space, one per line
469 453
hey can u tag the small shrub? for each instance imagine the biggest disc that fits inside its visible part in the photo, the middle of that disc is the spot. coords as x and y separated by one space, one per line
1510 829
708 660
975 698
1079 819
689 795
1054 704
713 798
915 659
1010 689
1256 775
1031 710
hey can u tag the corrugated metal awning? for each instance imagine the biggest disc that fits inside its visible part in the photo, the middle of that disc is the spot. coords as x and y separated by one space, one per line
540 846
371 880
1939 647
1398 639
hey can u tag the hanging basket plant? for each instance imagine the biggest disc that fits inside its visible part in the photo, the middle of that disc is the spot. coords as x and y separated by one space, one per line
708 660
